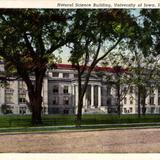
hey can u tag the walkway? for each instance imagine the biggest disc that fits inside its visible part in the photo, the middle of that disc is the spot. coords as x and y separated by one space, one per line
109 141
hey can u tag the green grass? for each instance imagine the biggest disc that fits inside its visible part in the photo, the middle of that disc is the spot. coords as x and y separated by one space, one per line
7 121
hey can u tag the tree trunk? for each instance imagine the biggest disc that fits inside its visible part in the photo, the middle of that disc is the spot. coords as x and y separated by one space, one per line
139 102
79 114
36 110
144 101
118 100
35 98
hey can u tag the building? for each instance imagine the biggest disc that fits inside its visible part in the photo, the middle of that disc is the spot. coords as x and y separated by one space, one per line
60 94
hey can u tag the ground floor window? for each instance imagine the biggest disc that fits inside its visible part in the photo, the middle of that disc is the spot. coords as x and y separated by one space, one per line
130 110
66 111
22 110
53 110
152 110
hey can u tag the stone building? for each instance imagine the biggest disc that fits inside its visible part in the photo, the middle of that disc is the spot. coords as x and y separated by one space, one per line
60 94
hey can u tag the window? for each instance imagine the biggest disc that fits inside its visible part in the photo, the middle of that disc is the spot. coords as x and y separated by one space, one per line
75 75
22 98
125 100
125 110
55 101
55 74
108 102
66 100
151 91
130 109
131 100
65 89
152 110
151 101
9 91
9 98
21 85
131 89
22 110
65 75
54 110
8 86
55 89
66 111
108 90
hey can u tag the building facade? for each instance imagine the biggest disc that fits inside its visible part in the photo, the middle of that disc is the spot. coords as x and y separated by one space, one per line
60 94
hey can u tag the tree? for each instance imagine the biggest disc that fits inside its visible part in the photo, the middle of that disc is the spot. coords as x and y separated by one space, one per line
120 79
145 53
100 32
29 38
143 73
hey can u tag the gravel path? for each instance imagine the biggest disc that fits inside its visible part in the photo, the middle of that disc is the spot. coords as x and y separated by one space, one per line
111 141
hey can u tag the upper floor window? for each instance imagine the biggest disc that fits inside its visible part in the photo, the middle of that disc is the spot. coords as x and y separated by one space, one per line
151 91
131 89
65 75
66 100
131 100
151 101
65 89
108 90
125 100
22 98
55 74
9 98
55 101
75 75
21 85
55 89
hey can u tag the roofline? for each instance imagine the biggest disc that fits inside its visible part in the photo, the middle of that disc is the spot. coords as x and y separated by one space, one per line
97 68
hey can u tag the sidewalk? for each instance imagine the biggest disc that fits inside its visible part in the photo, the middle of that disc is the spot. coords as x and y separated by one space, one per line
70 128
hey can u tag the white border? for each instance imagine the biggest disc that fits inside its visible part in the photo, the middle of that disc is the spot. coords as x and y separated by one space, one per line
70 156
53 4
82 3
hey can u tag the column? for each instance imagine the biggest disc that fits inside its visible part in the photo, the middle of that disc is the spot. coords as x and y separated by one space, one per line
16 95
92 95
156 97
156 100
73 96
99 96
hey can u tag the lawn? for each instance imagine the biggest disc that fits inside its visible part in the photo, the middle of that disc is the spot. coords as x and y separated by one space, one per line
56 120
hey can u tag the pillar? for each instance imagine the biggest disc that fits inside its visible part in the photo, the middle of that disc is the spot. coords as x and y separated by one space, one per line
92 95
99 96
156 100
73 96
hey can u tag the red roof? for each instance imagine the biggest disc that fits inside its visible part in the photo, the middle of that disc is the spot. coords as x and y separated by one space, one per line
72 67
